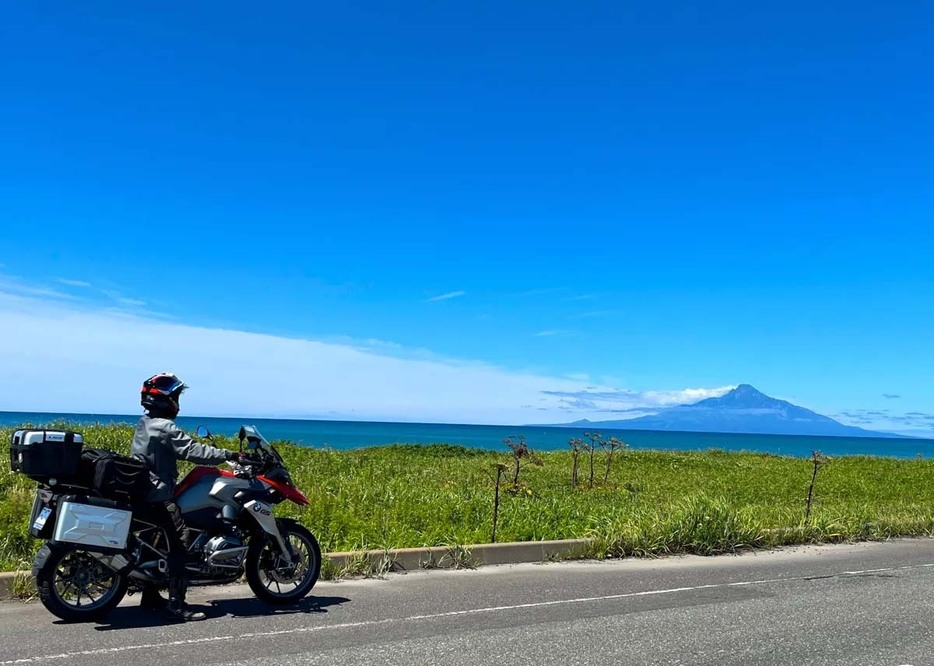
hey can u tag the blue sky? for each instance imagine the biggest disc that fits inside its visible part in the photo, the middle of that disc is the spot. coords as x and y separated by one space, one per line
646 198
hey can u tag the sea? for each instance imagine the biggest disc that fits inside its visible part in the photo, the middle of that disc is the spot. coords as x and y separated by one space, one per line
358 434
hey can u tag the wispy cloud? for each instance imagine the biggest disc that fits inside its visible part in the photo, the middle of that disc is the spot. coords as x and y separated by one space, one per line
631 402
541 291
74 283
580 377
595 313
446 297
915 423
123 300
551 333
891 396
16 287
306 378
866 413
914 417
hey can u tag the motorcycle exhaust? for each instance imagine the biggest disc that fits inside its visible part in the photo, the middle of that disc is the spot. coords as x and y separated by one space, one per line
118 562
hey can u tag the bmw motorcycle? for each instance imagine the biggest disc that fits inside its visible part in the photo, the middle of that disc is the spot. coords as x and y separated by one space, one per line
98 549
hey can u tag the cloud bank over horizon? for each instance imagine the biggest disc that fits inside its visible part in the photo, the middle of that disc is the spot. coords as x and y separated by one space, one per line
63 355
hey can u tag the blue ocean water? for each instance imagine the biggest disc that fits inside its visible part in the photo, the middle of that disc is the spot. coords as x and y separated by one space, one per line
355 434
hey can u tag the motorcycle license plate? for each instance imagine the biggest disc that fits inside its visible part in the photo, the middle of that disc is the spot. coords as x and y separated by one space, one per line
41 518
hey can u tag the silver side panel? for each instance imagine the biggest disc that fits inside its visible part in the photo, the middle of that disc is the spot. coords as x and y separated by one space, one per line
198 497
92 526
213 492
262 512
225 488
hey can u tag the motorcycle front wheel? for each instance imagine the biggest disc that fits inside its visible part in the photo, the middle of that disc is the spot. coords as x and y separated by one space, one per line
275 579
75 587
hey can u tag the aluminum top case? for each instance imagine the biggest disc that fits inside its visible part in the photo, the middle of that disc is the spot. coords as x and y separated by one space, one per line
45 454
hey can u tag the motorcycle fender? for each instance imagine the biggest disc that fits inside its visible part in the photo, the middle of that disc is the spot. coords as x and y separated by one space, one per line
263 515
287 521
41 558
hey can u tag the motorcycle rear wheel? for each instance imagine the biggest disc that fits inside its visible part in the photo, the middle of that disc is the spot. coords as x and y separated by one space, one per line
71 575
277 581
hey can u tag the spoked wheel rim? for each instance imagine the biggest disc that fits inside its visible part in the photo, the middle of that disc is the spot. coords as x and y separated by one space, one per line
278 574
82 583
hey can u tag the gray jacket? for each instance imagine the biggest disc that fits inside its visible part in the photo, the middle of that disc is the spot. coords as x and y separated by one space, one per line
161 443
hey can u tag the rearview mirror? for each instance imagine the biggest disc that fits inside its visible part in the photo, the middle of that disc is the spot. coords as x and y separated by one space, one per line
203 432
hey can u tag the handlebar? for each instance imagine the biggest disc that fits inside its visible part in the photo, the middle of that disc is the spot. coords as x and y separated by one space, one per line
247 467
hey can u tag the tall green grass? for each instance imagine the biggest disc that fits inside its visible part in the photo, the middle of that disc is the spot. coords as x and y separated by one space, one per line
656 502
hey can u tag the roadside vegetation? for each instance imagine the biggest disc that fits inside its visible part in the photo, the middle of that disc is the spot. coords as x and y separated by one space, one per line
640 502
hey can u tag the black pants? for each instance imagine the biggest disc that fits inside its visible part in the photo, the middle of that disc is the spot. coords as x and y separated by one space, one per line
168 516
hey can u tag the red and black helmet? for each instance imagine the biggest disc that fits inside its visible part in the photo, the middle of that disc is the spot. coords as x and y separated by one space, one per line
160 393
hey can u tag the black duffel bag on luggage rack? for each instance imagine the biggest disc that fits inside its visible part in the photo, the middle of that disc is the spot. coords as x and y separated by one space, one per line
115 476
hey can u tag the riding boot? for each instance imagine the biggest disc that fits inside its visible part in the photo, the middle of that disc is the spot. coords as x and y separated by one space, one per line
176 609
151 599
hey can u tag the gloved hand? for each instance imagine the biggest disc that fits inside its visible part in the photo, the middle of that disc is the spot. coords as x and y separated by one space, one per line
233 456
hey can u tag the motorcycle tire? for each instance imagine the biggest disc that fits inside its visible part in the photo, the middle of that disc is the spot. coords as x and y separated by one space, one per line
267 575
70 574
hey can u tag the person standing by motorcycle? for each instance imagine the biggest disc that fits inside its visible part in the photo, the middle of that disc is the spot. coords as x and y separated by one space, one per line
161 444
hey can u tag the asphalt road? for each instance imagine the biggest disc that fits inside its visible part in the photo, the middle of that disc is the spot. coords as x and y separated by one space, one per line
862 604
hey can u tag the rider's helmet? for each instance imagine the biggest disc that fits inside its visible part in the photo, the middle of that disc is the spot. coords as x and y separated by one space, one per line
160 394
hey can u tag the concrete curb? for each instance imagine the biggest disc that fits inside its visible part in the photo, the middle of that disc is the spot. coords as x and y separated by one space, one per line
447 557
10 580
412 559
6 584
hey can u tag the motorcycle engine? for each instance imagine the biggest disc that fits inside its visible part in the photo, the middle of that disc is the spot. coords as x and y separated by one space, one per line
225 551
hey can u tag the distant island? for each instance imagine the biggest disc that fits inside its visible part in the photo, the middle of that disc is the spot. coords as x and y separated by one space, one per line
743 410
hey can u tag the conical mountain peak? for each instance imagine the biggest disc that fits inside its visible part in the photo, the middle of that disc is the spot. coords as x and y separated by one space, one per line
745 409
744 395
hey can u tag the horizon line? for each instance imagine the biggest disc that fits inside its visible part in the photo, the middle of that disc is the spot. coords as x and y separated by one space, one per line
564 426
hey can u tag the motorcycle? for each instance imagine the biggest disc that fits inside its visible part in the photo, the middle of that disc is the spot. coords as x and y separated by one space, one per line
97 550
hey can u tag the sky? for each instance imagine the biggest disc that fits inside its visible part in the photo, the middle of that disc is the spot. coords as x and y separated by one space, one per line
450 212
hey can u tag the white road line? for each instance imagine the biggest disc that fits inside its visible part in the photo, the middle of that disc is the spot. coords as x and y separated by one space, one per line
435 616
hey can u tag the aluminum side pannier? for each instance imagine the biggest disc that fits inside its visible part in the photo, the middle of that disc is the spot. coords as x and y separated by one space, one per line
95 524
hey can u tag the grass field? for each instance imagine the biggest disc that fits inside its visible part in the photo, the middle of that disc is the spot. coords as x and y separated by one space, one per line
654 502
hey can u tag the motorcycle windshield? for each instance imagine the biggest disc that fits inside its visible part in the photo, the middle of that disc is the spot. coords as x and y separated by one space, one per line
255 440
253 436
